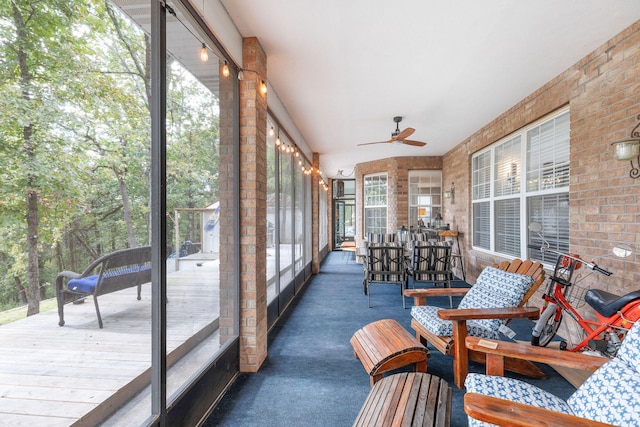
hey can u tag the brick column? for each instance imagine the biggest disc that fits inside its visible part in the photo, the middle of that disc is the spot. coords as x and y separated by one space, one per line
253 208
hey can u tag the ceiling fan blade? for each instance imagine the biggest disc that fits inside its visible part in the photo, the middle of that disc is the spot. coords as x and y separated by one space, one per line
404 134
416 143
379 142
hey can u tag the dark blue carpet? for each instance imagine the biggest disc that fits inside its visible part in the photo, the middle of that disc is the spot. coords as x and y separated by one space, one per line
311 378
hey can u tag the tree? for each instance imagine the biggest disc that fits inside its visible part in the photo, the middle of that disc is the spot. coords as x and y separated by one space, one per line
38 53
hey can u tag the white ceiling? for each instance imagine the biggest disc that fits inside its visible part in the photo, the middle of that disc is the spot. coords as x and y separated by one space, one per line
344 68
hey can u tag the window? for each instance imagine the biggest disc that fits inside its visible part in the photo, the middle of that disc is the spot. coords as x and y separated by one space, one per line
520 179
375 203
425 196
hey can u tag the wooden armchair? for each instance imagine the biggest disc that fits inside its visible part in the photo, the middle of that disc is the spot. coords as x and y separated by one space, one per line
478 314
611 394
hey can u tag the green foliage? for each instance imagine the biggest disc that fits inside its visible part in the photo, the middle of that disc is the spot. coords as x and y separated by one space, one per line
75 125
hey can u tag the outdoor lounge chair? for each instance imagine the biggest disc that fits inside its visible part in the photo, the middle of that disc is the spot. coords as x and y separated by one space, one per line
499 294
610 395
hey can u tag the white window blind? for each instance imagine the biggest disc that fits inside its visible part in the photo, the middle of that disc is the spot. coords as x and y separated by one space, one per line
504 202
548 155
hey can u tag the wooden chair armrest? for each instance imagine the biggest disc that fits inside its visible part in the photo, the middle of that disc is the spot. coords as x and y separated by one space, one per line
489 313
535 354
504 412
420 295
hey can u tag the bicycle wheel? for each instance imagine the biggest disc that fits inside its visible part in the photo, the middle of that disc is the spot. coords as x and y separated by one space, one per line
548 331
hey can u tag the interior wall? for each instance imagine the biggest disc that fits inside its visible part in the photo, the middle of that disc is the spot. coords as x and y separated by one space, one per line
603 93
397 170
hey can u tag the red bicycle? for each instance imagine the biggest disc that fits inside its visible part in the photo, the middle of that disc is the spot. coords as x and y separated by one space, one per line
615 314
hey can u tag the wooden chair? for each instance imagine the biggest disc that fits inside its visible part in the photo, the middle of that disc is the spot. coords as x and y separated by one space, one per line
477 316
385 264
611 394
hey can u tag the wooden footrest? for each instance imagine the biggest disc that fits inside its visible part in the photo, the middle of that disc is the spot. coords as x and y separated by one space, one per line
407 399
385 345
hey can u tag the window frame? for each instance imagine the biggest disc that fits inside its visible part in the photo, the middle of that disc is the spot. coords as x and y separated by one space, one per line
377 206
491 170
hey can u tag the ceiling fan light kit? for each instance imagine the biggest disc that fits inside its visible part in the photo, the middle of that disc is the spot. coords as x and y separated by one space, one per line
398 136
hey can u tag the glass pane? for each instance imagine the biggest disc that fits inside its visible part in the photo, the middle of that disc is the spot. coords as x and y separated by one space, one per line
552 211
425 189
481 176
285 217
272 220
507 168
481 225
375 200
548 154
507 227
298 219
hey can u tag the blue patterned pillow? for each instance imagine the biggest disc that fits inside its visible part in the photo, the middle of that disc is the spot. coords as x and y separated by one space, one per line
495 288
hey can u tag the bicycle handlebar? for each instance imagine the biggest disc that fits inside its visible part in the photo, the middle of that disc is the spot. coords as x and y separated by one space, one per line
594 267
601 270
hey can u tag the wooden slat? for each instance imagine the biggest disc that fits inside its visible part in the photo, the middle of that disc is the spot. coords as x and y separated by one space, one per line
407 399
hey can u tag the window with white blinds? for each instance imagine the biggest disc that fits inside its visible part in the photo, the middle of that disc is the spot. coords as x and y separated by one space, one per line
375 203
520 179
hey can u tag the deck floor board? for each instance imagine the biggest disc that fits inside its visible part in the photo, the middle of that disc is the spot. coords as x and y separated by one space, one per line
52 375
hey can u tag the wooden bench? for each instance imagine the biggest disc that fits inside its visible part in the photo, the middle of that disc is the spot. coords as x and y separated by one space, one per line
115 271
385 345
407 399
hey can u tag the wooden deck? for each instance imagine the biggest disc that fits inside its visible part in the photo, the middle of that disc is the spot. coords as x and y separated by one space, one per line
77 374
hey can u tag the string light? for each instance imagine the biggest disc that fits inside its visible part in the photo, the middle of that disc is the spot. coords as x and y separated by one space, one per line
225 69
204 55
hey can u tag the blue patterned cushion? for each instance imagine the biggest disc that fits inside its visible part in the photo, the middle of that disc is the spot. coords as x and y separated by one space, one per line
428 317
495 288
610 395
515 391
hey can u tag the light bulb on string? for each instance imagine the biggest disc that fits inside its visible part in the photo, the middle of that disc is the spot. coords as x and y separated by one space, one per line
204 55
225 69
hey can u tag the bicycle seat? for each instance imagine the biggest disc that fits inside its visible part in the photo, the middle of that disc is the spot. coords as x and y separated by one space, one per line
608 304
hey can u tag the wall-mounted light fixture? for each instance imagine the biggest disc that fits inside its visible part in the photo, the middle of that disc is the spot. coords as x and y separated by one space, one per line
451 193
629 149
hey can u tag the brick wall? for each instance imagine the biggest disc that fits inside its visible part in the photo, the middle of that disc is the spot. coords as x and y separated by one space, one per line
603 93
253 209
397 170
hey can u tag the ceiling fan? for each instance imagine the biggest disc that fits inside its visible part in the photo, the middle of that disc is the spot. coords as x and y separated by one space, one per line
399 136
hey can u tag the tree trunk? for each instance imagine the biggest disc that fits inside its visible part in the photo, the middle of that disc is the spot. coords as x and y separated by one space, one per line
131 238
33 293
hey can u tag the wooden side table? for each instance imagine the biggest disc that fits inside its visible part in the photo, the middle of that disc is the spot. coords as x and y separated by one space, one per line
410 398
385 345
